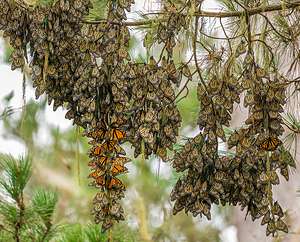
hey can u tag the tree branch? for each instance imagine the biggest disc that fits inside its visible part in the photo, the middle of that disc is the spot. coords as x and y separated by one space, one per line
251 11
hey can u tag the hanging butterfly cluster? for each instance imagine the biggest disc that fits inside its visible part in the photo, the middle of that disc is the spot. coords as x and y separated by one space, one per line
176 21
86 68
207 178
246 179
107 162
259 147
14 22
155 117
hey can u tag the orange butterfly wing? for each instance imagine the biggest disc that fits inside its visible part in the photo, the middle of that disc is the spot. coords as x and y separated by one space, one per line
97 150
109 145
103 160
96 174
115 183
117 169
97 134
270 144
100 181
121 160
117 134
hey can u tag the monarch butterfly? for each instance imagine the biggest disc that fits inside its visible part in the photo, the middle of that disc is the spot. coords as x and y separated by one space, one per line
100 181
99 162
270 144
97 134
96 174
271 228
107 224
100 149
96 151
280 225
117 169
277 210
109 182
115 183
116 134
266 219
108 145
120 160
103 160
119 150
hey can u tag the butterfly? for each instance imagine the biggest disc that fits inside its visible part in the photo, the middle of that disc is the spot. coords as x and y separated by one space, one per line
271 228
119 150
120 160
98 162
115 183
109 182
280 225
266 219
96 151
96 174
107 224
97 134
270 144
106 146
117 169
116 134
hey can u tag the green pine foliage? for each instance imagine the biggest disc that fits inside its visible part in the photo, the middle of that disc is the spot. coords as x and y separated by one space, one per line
21 218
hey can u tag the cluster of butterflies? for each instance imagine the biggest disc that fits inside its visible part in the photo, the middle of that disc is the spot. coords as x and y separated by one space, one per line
107 162
107 157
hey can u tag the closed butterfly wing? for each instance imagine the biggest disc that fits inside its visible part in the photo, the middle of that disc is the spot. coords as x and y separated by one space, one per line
97 134
120 160
98 150
280 225
115 183
107 224
100 181
107 146
116 134
118 169
270 144
119 150
102 161
96 174
271 228
266 219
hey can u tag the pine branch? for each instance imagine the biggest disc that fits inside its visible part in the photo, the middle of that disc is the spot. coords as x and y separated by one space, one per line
210 14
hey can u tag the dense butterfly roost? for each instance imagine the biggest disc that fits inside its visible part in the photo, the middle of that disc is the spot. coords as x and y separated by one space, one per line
246 179
86 67
104 98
